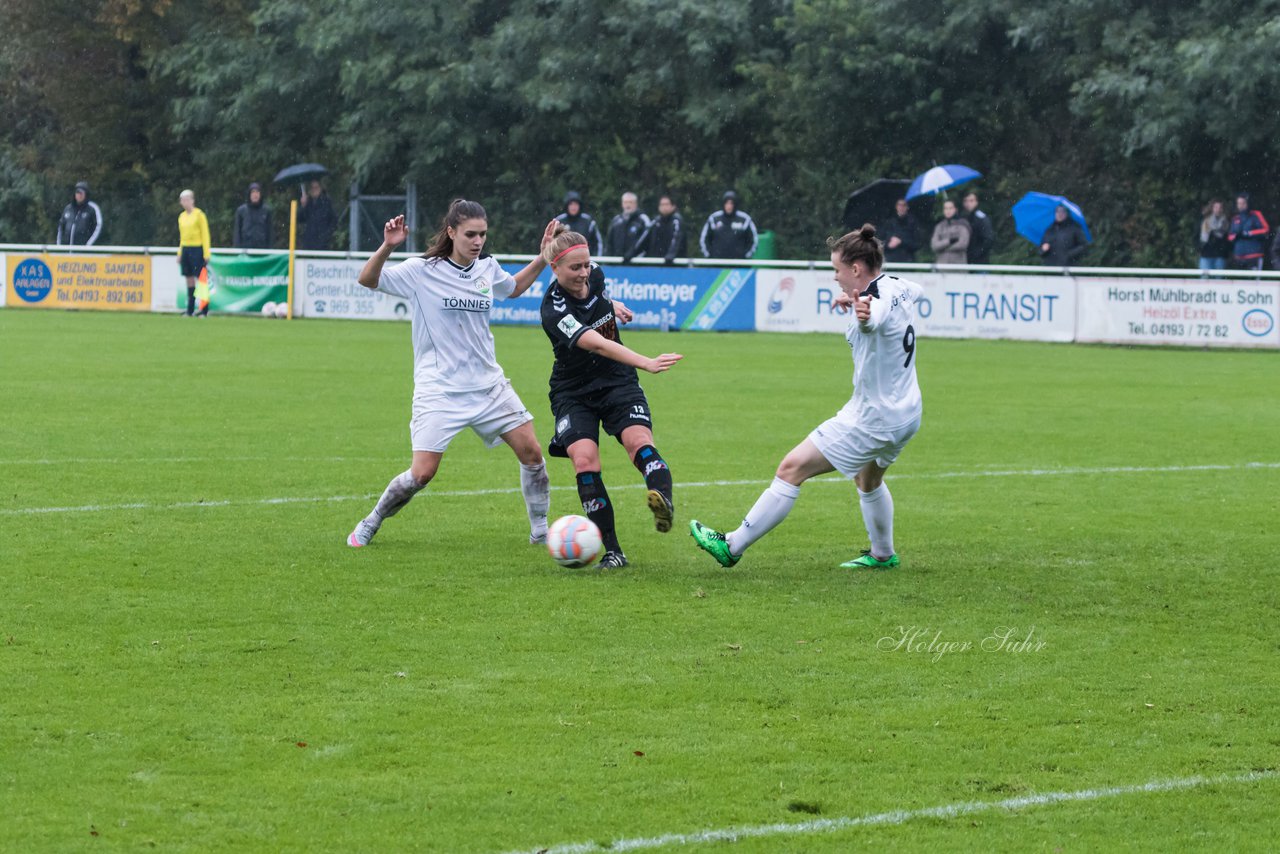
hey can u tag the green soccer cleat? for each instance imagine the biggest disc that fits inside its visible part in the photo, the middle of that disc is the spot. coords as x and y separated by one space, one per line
713 543
866 561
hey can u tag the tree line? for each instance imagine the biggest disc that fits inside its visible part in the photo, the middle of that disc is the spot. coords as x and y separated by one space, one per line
1138 111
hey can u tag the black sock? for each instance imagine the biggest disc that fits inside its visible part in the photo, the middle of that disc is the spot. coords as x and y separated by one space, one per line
191 299
654 468
595 503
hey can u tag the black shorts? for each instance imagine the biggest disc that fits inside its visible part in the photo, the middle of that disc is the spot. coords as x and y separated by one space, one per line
579 416
192 260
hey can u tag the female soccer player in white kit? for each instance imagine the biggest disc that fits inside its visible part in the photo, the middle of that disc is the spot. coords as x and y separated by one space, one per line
457 380
867 435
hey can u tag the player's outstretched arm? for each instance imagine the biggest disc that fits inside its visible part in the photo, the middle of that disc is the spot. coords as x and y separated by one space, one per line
526 277
393 234
594 342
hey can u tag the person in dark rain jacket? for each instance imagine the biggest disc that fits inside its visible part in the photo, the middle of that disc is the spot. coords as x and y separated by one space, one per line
575 219
253 222
729 232
1063 242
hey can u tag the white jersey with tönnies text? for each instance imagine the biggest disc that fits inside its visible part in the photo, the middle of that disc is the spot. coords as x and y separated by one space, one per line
452 344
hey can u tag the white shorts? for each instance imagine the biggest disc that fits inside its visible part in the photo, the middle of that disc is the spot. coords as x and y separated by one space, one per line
849 446
438 416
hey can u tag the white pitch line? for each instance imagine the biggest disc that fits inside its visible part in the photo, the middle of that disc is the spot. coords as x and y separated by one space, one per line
895 817
462 493
70 461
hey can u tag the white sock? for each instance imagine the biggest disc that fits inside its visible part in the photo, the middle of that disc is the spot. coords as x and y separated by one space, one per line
877 515
398 493
536 489
770 508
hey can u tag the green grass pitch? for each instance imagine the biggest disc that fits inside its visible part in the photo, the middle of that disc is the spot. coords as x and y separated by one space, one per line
192 660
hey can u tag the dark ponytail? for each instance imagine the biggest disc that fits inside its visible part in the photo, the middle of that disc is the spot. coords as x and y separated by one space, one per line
861 245
459 211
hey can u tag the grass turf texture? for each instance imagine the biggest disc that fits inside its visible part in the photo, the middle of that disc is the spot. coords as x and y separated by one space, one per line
235 678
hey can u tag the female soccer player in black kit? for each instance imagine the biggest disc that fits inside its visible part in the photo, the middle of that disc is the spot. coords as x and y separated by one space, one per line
594 382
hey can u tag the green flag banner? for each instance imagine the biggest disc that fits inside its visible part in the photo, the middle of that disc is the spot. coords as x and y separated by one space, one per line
244 283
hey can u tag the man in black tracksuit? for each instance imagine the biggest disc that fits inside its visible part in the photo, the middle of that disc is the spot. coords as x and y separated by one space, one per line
626 230
666 237
581 222
729 232
1248 235
253 222
81 222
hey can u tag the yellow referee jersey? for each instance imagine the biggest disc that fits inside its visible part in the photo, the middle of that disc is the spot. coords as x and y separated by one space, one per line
193 230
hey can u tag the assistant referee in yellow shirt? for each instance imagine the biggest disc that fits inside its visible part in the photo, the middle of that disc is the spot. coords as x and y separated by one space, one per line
193 246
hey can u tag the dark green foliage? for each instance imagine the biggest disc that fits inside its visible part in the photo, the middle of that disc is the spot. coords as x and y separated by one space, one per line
1140 111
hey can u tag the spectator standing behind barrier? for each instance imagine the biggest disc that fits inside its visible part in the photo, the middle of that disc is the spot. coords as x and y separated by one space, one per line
253 222
583 223
1063 242
666 237
982 236
81 222
1248 234
951 236
319 220
193 246
626 230
1213 244
901 234
729 232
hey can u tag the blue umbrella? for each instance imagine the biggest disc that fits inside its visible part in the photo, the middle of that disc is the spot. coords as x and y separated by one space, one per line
1034 212
941 178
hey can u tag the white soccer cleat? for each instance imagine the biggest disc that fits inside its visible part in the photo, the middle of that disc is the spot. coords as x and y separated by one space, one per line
539 539
362 534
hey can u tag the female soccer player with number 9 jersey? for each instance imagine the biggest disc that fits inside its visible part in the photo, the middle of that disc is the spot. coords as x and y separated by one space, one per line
867 435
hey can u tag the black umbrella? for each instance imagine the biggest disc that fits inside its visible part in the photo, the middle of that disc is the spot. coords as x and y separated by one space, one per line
300 172
874 203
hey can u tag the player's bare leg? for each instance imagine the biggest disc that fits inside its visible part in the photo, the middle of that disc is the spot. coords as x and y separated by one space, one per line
877 516
534 484
657 476
399 492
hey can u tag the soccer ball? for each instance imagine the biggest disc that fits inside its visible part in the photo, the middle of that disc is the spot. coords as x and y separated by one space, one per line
269 309
282 309
574 541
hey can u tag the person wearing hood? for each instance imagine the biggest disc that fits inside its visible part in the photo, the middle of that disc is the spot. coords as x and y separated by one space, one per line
1248 235
81 222
253 222
626 230
576 219
951 236
1064 241
729 232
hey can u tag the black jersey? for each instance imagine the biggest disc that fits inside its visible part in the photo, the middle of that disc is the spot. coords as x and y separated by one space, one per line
564 319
